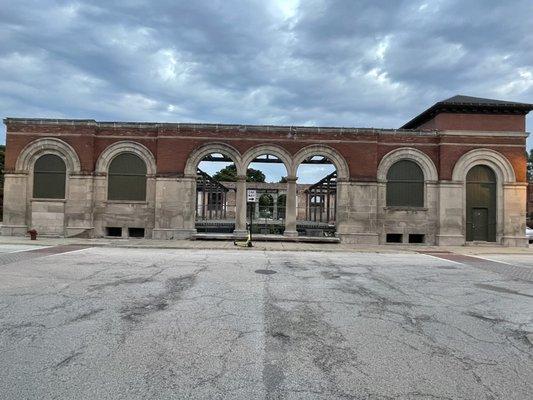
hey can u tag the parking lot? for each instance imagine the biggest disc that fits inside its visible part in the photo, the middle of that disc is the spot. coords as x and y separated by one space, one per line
109 323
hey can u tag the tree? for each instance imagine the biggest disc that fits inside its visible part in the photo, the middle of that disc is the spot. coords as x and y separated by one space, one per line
229 174
283 179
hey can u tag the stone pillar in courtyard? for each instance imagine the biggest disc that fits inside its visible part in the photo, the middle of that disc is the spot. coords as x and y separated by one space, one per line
240 207
290 210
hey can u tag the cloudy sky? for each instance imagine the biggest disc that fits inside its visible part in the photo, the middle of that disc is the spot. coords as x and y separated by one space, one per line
370 63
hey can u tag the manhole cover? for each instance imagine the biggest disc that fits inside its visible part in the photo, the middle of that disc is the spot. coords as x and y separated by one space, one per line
265 271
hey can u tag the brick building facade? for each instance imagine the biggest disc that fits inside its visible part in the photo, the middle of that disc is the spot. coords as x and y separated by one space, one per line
457 203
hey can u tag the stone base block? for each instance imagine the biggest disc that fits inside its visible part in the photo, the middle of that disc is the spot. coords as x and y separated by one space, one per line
359 238
450 240
240 234
515 241
14 230
290 233
169 234
79 232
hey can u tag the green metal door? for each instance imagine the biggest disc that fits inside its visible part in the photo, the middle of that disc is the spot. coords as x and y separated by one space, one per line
480 224
481 204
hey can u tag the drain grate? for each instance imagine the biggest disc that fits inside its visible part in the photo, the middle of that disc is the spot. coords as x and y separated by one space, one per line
265 271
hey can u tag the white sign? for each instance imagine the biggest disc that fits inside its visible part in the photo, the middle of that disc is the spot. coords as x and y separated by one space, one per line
252 195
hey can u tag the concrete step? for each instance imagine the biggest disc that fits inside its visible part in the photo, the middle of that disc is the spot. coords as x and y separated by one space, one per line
267 238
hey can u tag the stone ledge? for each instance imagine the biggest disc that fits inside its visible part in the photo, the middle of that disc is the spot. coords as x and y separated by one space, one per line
172 233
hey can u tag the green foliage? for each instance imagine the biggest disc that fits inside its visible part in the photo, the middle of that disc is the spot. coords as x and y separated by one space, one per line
265 200
229 174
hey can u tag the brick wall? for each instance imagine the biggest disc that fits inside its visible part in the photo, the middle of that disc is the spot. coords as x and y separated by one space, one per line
363 149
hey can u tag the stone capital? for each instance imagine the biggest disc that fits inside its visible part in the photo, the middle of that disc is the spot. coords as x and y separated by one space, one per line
291 179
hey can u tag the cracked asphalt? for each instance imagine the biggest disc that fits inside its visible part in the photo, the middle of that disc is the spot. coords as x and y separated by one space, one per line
104 323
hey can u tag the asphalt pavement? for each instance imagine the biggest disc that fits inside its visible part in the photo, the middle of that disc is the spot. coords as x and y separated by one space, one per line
121 323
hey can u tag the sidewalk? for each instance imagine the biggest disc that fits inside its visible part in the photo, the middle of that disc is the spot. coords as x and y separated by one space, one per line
261 246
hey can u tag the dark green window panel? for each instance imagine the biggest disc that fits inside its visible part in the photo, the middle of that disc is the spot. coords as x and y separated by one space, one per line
481 204
49 177
481 173
405 185
127 178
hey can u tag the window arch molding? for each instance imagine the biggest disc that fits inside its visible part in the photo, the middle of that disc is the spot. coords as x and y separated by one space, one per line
102 165
411 154
197 155
496 161
29 155
274 150
343 171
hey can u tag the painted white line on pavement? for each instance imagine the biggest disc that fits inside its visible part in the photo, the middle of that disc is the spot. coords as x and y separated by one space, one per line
443 259
67 252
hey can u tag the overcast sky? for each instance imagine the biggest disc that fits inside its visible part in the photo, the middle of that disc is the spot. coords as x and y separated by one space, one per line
314 62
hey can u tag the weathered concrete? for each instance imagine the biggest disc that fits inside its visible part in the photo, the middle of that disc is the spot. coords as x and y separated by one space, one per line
174 208
15 205
166 324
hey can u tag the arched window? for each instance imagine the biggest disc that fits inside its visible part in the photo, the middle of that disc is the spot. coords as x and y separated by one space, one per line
49 176
127 178
405 185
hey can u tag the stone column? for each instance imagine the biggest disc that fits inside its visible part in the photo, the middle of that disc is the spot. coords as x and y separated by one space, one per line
357 210
79 206
16 205
240 207
514 214
175 207
451 228
290 210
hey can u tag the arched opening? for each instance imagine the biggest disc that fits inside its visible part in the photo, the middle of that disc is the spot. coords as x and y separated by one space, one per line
405 185
49 177
481 204
216 194
316 197
127 178
266 185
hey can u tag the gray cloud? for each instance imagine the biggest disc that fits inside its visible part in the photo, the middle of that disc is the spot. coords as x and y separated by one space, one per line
317 62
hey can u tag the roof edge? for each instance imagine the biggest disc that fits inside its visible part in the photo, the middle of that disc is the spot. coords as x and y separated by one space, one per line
467 107
213 126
